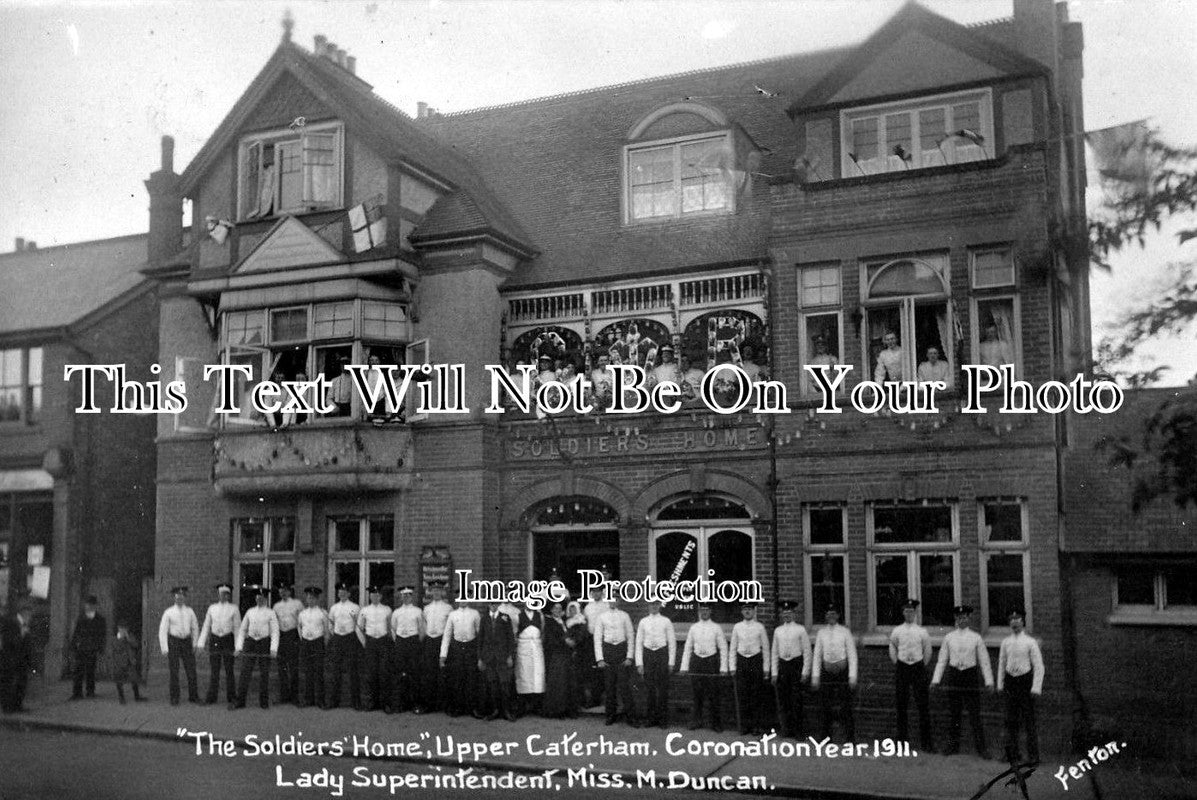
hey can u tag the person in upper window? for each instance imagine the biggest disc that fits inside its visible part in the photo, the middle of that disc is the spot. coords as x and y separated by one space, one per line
341 389
692 376
889 360
823 356
935 368
544 370
667 370
748 363
995 350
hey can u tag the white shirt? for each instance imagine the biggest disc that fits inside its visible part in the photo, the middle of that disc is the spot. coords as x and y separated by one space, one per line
436 614
749 638
222 619
613 627
934 372
287 612
259 623
407 621
889 366
705 639
1019 655
593 610
790 641
461 625
654 632
910 644
314 624
179 622
833 643
374 621
343 616
963 649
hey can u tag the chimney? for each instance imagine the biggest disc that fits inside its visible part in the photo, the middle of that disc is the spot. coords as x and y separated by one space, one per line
166 208
421 110
30 245
19 245
1035 29
318 42
341 57
351 64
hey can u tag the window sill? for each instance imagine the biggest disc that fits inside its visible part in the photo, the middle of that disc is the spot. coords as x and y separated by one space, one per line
1154 618
897 175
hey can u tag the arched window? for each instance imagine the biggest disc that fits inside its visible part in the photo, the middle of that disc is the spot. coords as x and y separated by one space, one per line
910 331
702 536
573 533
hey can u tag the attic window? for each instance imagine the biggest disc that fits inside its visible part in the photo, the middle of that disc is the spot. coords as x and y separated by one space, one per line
680 178
917 134
290 171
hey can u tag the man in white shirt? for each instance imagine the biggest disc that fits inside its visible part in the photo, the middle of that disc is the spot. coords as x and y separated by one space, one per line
889 360
459 659
314 631
177 635
614 638
374 633
436 616
910 652
218 635
935 368
749 664
833 672
667 370
705 658
407 626
257 642
592 677
1020 676
287 610
963 660
656 649
790 668
344 648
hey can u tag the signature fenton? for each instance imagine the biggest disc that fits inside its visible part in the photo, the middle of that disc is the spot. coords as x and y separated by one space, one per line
1096 755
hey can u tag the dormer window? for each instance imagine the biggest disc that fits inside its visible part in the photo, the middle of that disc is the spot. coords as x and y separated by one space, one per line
680 178
291 171
917 134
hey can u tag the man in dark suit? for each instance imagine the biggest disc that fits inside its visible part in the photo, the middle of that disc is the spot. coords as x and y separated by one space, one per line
496 657
16 657
87 642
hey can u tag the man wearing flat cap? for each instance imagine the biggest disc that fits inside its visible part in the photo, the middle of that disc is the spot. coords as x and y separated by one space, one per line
87 642
407 626
177 635
257 642
1020 679
910 652
791 668
287 610
374 633
218 635
963 662
314 631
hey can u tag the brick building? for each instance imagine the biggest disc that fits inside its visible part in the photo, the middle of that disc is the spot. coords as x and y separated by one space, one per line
788 211
76 491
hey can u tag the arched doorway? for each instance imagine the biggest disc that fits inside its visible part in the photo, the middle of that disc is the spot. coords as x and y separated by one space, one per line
705 535
573 533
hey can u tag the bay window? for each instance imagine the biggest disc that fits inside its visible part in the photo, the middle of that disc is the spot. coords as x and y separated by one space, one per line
290 171
916 134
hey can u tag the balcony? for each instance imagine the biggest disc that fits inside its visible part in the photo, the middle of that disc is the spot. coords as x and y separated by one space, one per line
313 459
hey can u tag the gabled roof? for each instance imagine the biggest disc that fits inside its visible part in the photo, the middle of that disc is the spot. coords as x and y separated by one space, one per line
971 49
53 287
393 135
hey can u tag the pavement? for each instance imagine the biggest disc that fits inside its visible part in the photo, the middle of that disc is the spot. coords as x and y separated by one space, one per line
676 757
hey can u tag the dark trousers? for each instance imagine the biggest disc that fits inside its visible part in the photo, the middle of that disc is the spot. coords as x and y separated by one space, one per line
346 656
750 677
14 678
405 674
656 684
704 684
592 678
85 672
288 666
377 680
1020 710
430 674
618 686
964 691
255 653
120 690
180 649
908 677
835 696
789 696
498 689
461 678
311 666
220 657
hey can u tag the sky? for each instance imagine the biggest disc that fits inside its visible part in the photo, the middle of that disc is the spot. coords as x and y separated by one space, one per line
88 88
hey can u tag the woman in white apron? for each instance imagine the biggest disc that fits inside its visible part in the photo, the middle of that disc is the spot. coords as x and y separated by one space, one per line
529 660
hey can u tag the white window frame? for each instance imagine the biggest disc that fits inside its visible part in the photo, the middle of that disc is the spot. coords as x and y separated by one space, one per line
363 557
1156 614
268 558
941 263
28 411
972 268
806 383
883 163
975 326
285 136
812 551
676 143
911 551
839 285
989 549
